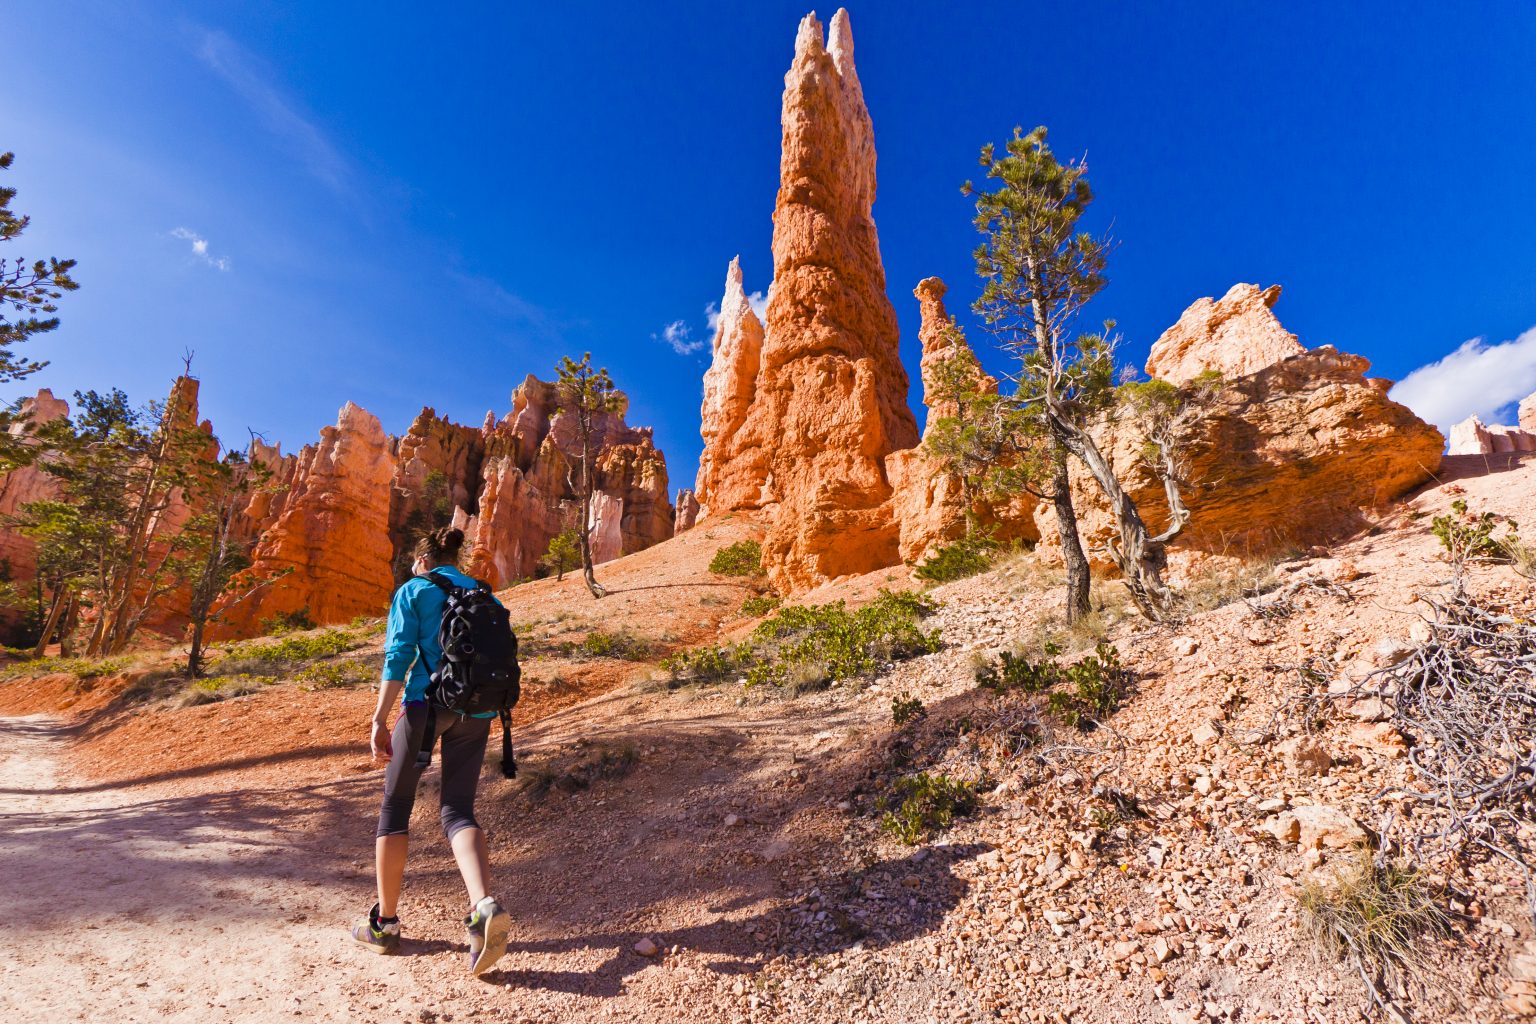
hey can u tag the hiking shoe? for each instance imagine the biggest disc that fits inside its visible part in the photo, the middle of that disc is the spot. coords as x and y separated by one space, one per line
375 935
488 925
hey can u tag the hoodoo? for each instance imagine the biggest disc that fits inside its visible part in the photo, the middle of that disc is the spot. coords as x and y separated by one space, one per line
328 554
828 400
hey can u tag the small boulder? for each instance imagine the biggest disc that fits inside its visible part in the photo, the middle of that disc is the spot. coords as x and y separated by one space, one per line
1205 734
647 947
1325 827
1307 755
1284 827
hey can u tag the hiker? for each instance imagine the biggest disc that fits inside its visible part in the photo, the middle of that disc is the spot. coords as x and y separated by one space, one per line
413 649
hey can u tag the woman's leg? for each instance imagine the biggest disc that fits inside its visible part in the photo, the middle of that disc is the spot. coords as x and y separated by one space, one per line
389 866
391 838
474 862
462 757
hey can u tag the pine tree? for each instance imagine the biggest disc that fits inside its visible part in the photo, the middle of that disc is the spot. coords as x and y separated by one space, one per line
1039 271
587 393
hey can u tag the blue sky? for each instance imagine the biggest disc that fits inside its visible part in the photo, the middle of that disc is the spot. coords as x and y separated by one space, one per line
406 207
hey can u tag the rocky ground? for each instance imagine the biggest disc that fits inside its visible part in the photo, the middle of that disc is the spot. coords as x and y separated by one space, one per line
711 853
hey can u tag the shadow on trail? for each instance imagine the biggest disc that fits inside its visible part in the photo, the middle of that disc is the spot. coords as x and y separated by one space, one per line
931 870
233 765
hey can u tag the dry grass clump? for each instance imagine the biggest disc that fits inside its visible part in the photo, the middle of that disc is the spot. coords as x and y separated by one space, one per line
1239 581
1375 916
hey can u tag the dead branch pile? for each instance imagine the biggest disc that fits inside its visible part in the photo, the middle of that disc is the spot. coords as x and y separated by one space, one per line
1465 699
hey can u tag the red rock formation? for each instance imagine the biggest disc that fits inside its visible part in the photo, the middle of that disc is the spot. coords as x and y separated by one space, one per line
437 470
1234 336
733 470
331 541
18 553
1527 413
829 402
531 472
687 512
267 502
927 503
1289 455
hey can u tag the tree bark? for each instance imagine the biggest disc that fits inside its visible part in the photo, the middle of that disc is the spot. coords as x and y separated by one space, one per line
1141 558
55 613
1078 575
587 572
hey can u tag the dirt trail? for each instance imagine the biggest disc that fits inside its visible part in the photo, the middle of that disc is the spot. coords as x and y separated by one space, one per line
135 904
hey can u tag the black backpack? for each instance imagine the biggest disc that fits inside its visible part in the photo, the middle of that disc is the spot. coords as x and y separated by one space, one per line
478 672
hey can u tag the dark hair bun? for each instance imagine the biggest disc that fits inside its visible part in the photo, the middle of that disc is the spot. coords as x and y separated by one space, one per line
441 546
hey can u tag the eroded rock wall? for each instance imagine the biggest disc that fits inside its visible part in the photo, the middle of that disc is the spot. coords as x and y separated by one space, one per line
329 552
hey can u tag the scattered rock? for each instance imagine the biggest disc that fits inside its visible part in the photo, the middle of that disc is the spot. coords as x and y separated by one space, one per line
646 947
1206 734
1307 755
1325 827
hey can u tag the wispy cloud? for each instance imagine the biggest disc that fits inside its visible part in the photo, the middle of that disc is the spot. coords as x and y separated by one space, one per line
281 115
200 248
1477 378
679 336
508 306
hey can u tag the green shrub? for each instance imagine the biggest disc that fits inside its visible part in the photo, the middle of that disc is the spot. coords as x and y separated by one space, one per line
974 553
331 675
744 558
1466 537
706 664
614 645
212 689
307 647
82 669
761 604
1079 694
905 708
921 804
810 647
288 622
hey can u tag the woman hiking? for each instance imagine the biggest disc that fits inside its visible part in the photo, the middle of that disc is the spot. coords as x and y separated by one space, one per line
410 652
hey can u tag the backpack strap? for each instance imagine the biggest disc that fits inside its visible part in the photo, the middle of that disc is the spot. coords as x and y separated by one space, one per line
508 758
428 737
443 582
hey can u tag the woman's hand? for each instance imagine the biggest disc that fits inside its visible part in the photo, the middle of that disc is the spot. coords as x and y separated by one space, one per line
381 743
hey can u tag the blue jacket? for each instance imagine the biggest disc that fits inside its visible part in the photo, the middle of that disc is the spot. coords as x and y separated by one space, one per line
411 651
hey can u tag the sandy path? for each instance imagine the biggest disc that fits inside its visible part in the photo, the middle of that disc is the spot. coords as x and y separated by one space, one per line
135 904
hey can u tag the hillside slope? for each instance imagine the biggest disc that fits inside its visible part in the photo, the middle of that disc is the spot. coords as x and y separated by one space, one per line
1143 871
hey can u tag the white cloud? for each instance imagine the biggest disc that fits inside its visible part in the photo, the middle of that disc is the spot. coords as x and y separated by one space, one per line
281 116
712 315
678 335
1477 378
200 248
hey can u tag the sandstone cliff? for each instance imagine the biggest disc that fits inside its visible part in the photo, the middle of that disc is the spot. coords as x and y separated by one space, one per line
329 550
1289 455
828 399
687 512
437 469
1234 336
529 475
18 553
733 469
1474 437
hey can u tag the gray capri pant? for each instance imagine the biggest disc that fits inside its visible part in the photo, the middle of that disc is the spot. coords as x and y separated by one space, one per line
461 752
